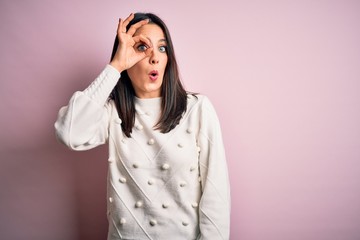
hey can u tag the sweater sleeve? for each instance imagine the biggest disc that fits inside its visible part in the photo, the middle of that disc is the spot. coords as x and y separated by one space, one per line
82 124
215 201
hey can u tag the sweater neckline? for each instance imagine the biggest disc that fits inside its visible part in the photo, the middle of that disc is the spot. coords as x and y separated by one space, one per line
146 103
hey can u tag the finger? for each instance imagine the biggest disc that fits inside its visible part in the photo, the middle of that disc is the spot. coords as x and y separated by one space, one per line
148 51
120 26
136 26
141 38
145 54
126 21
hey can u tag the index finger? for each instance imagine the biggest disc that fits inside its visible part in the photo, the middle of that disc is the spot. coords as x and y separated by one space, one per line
141 38
136 26
127 20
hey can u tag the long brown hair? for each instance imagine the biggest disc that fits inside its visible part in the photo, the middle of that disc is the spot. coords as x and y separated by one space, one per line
174 96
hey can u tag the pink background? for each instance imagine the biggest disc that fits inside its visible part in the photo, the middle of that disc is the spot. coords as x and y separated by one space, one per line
284 77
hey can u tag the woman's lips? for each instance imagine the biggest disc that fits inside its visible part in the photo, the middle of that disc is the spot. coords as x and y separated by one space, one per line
153 75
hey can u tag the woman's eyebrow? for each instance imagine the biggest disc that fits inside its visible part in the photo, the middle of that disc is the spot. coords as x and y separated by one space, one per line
161 40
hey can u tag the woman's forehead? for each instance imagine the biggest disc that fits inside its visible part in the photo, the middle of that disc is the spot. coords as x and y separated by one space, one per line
151 31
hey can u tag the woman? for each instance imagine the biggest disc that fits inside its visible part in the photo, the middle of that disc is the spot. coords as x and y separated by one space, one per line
167 175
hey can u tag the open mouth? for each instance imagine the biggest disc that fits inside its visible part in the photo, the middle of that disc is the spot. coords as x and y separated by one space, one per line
153 75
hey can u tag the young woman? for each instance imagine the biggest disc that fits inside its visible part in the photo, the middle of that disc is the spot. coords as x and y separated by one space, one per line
167 175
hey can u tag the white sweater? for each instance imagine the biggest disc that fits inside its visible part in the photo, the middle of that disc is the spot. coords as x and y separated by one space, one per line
160 186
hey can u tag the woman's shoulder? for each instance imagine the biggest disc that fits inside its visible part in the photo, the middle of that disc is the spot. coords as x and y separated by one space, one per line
200 106
198 99
195 97
111 108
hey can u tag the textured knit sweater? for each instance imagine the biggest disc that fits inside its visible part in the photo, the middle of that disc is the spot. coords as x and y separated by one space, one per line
160 186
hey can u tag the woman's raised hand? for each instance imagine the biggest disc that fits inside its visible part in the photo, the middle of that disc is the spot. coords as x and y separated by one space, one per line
126 55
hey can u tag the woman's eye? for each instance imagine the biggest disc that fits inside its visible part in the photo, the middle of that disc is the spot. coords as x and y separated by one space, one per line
162 49
142 48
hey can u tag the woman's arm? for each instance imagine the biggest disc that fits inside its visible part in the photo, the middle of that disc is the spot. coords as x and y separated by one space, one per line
82 124
215 201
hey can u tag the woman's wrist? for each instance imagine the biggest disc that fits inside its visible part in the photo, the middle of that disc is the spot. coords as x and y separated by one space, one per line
117 66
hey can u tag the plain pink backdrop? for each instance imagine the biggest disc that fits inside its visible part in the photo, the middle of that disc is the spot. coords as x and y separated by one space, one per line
284 77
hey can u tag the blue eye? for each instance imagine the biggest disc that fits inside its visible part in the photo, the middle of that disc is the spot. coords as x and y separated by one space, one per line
142 48
162 49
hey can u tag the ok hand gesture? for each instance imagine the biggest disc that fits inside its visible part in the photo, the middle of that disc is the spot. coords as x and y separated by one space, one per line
126 55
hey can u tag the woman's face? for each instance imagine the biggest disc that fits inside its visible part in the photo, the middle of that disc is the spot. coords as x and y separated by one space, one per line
147 75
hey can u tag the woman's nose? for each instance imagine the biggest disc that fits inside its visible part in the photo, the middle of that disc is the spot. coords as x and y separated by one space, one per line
154 59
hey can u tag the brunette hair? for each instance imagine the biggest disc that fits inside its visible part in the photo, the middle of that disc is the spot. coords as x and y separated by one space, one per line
174 96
